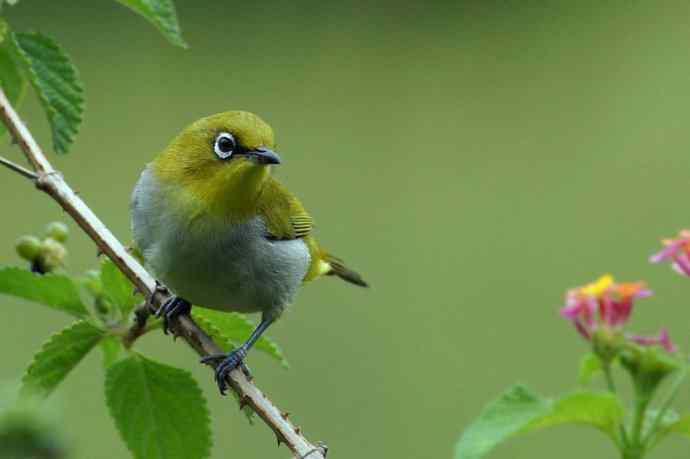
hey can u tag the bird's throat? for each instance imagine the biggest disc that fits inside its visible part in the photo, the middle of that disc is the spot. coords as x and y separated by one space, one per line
230 194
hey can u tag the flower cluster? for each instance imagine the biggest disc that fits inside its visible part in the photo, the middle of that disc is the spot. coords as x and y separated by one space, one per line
605 306
677 251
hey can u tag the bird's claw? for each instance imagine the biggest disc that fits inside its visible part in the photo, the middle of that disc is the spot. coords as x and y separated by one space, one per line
228 362
172 309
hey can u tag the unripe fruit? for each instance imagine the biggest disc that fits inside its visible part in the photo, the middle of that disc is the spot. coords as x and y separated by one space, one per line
53 255
57 231
28 247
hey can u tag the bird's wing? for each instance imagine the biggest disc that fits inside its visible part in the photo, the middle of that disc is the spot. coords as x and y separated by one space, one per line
283 213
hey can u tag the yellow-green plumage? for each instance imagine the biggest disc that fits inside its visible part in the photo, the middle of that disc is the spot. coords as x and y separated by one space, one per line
206 196
231 193
216 228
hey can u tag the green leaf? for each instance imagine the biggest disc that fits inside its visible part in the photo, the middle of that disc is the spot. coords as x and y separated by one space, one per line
681 426
112 350
117 288
519 410
55 290
58 356
226 345
160 13
668 418
234 329
57 83
589 366
601 410
500 420
159 410
12 79
212 331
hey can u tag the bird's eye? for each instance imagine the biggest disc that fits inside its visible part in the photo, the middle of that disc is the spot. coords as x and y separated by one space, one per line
225 145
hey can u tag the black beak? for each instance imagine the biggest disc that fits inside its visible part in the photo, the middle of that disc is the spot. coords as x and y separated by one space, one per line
264 155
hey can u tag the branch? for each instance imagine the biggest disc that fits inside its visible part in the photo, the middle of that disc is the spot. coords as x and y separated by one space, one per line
50 181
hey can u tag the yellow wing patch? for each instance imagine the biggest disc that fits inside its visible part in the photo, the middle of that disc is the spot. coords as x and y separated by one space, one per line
285 216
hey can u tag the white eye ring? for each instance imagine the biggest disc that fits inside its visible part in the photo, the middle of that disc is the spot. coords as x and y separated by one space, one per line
224 145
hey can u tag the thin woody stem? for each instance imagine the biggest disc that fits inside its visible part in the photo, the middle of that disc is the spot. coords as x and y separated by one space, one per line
17 168
48 180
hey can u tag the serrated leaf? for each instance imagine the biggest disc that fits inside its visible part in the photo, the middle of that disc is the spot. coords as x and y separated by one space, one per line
160 13
12 80
58 356
519 410
590 364
226 345
234 329
159 410
54 290
57 83
117 288
213 332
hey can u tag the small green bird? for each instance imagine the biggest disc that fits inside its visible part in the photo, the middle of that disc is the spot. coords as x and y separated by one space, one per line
216 228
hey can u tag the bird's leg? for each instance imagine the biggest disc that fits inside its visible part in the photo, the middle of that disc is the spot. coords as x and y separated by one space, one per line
172 309
234 358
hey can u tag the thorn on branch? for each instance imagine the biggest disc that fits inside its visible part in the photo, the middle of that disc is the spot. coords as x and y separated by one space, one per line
244 401
284 415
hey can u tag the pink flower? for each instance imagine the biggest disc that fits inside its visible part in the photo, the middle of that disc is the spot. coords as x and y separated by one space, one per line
678 251
663 340
602 304
606 305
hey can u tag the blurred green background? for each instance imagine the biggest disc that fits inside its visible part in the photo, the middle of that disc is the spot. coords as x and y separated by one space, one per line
473 159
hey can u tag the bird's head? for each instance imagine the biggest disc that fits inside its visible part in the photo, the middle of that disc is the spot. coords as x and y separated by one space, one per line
222 159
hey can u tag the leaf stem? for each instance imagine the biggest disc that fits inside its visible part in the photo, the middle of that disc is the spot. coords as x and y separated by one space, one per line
608 375
641 404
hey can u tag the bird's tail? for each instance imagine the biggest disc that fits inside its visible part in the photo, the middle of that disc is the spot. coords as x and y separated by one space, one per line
338 268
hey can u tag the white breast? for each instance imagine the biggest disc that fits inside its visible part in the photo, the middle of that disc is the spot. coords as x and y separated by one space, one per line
211 263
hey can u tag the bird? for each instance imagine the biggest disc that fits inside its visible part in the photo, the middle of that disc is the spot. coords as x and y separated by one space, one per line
218 230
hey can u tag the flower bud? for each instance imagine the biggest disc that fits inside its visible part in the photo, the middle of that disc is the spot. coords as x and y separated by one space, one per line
648 366
28 247
57 231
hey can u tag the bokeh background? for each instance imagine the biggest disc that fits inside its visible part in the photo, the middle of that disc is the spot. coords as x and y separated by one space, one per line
473 159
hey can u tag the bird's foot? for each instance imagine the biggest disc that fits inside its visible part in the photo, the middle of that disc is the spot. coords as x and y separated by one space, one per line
172 309
228 362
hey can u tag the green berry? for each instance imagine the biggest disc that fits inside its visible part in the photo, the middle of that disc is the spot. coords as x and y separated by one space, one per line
28 247
57 231
53 255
